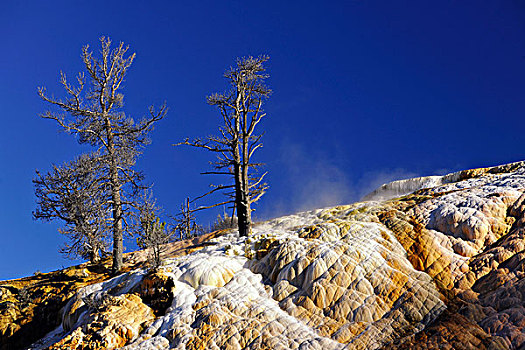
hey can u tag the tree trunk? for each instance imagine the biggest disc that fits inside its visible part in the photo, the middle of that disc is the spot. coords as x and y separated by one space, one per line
245 221
116 205
240 201
243 208
118 247
188 219
245 183
94 256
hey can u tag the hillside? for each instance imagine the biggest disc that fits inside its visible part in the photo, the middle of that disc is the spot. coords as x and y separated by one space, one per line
440 267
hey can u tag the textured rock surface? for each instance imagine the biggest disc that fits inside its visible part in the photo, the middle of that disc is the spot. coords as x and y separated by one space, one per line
350 280
110 323
442 267
474 233
30 307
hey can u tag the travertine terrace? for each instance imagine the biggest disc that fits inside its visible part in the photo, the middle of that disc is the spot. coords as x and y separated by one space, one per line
440 267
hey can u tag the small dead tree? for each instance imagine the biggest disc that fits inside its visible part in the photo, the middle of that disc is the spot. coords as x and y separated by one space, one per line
241 111
72 193
224 222
92 111
151 232
187 226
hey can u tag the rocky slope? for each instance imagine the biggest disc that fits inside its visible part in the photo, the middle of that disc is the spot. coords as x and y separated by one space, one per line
441 267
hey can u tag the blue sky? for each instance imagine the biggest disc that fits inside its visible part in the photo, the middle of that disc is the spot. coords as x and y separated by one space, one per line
364 92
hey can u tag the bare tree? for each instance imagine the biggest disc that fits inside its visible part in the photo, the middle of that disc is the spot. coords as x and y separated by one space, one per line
241 111
151 232
93 113
71 193
187 226
223 222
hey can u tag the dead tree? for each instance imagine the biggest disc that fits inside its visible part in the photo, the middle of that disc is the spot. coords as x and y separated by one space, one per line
187 226
223 222
92 111
241 111
71 193
151 233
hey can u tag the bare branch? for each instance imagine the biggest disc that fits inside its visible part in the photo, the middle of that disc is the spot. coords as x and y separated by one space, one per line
215 189
211 206
200 144
96 117
216 173
241 111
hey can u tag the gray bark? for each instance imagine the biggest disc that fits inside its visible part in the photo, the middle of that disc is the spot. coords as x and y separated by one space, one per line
97 118
71 193
241 111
